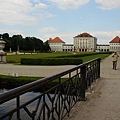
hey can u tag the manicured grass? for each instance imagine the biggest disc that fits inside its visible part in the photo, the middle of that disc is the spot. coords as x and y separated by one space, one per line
17 58
88 58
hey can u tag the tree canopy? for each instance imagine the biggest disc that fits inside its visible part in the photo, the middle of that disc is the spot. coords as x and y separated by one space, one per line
17 42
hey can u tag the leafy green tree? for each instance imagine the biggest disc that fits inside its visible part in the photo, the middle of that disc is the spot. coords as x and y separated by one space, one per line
8 43
0 35
38 44
5 36
17 42
46 47
30 45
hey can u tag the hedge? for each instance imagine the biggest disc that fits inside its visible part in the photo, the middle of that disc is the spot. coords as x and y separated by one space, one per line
51 61
12 82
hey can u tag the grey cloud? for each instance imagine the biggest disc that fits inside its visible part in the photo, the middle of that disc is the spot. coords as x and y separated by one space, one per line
108 4
22 12
69 4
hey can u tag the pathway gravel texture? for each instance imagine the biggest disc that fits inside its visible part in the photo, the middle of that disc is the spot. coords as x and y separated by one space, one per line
40 71
103 103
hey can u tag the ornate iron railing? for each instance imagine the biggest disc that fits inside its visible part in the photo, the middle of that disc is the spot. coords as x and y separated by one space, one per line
51 103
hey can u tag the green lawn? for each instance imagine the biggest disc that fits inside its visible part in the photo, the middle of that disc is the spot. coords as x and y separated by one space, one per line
88 58
17 58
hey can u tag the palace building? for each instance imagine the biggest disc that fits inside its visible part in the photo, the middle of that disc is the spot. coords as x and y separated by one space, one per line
115 44
84 43
102 48
56 44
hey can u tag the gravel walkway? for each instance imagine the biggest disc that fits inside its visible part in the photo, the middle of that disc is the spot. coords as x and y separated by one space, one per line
40 71
104 102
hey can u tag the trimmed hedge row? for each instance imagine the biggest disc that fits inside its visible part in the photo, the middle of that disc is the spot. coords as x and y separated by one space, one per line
51 61
12 82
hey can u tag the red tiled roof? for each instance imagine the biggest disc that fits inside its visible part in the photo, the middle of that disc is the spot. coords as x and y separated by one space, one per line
84 35
115 40
56 40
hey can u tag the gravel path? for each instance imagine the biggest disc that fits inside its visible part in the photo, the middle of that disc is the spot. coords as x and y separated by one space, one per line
40 71
106 68
104 102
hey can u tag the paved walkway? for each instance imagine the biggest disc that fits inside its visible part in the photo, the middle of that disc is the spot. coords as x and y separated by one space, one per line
40 71
104 102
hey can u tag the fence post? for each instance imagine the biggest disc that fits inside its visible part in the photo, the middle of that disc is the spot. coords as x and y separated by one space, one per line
18 105
83 83
99 67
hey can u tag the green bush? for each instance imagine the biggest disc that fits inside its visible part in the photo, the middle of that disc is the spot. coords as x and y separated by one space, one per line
12 82
51 61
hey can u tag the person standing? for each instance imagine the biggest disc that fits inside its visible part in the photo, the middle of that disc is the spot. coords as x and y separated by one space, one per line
115 59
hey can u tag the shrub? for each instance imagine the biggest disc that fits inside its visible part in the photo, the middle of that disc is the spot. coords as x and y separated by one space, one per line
51 61
12 82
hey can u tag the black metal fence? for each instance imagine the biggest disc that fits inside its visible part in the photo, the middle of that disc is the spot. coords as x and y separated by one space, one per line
52 103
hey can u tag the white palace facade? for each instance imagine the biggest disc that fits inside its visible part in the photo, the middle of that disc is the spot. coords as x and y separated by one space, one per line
115 44
83 43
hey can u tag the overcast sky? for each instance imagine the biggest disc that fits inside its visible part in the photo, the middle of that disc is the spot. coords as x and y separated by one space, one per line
46 19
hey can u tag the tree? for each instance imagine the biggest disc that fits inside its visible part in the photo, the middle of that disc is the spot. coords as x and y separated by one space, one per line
30 45
5 36
17 42
38 44
46 47
0 35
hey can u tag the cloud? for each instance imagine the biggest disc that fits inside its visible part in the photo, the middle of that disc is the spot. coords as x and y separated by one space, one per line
108 4
105 37
22 12
69 4
65 36
41 5
73 4
11 32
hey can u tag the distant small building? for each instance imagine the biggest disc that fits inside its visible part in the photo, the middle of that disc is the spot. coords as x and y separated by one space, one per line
115 44
85 43
68 48
102 48
56 44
